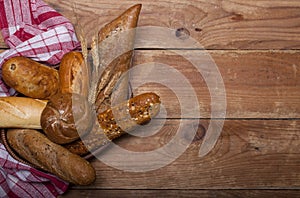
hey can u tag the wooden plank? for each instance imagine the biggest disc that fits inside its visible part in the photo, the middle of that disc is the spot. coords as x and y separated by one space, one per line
250 154
258 84
217 24
182 193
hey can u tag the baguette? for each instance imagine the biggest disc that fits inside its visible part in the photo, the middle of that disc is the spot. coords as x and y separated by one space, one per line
34 147
114 64
30 78
21 112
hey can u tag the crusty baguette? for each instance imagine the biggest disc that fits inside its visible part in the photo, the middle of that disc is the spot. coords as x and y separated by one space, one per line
34 147
115 65
73 74
30 78
21 112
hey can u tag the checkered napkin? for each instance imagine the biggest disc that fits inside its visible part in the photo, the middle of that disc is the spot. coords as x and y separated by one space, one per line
33 29
20 180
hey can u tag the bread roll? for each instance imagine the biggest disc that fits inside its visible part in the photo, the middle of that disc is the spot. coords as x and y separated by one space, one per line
73 74
30 78
34 147
21 112
128 115
66 117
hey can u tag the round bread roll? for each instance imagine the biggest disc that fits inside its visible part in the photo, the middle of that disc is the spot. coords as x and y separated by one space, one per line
66 117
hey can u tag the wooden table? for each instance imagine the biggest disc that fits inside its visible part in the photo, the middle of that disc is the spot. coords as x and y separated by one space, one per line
255 45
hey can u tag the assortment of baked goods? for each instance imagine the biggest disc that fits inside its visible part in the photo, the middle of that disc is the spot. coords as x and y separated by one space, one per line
58 108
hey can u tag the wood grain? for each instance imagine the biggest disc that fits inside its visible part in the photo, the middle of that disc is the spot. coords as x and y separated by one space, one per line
250 154
217 24
257 84
255 46
183 193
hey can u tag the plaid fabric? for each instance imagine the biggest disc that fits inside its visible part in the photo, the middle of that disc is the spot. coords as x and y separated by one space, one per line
33 29
20 180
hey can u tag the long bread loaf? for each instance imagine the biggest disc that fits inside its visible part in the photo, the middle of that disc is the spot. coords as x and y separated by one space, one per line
34 147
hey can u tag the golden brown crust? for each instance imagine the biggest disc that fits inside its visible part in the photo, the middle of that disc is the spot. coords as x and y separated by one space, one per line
120 120
40 151
21 112
113 70
127 116
77 147
114 64
66 117
125 21
73 74
30 78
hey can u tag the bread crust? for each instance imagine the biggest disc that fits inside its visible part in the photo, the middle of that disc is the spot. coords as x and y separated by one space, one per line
48 156
66 117
73 74
30 78
120 120
115 65
21 112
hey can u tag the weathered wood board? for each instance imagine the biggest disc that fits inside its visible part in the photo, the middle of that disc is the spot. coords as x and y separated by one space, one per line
217 24
254 45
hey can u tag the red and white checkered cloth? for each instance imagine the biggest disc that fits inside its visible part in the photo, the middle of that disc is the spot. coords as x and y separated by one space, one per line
20 180
33 29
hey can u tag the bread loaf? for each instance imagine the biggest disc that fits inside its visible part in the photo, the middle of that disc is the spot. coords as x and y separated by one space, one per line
34 147
21 112
73 74
30 78
77 147
114 64
128 115
121 119
66 117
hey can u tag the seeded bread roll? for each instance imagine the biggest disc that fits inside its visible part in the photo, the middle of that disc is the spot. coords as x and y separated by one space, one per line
34 147
128 115
66 117
30 78
119 120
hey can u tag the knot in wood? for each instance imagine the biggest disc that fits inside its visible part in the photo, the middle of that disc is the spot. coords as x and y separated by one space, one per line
182 33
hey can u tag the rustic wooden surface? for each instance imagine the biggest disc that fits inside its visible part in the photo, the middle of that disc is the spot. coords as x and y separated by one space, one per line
255 45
